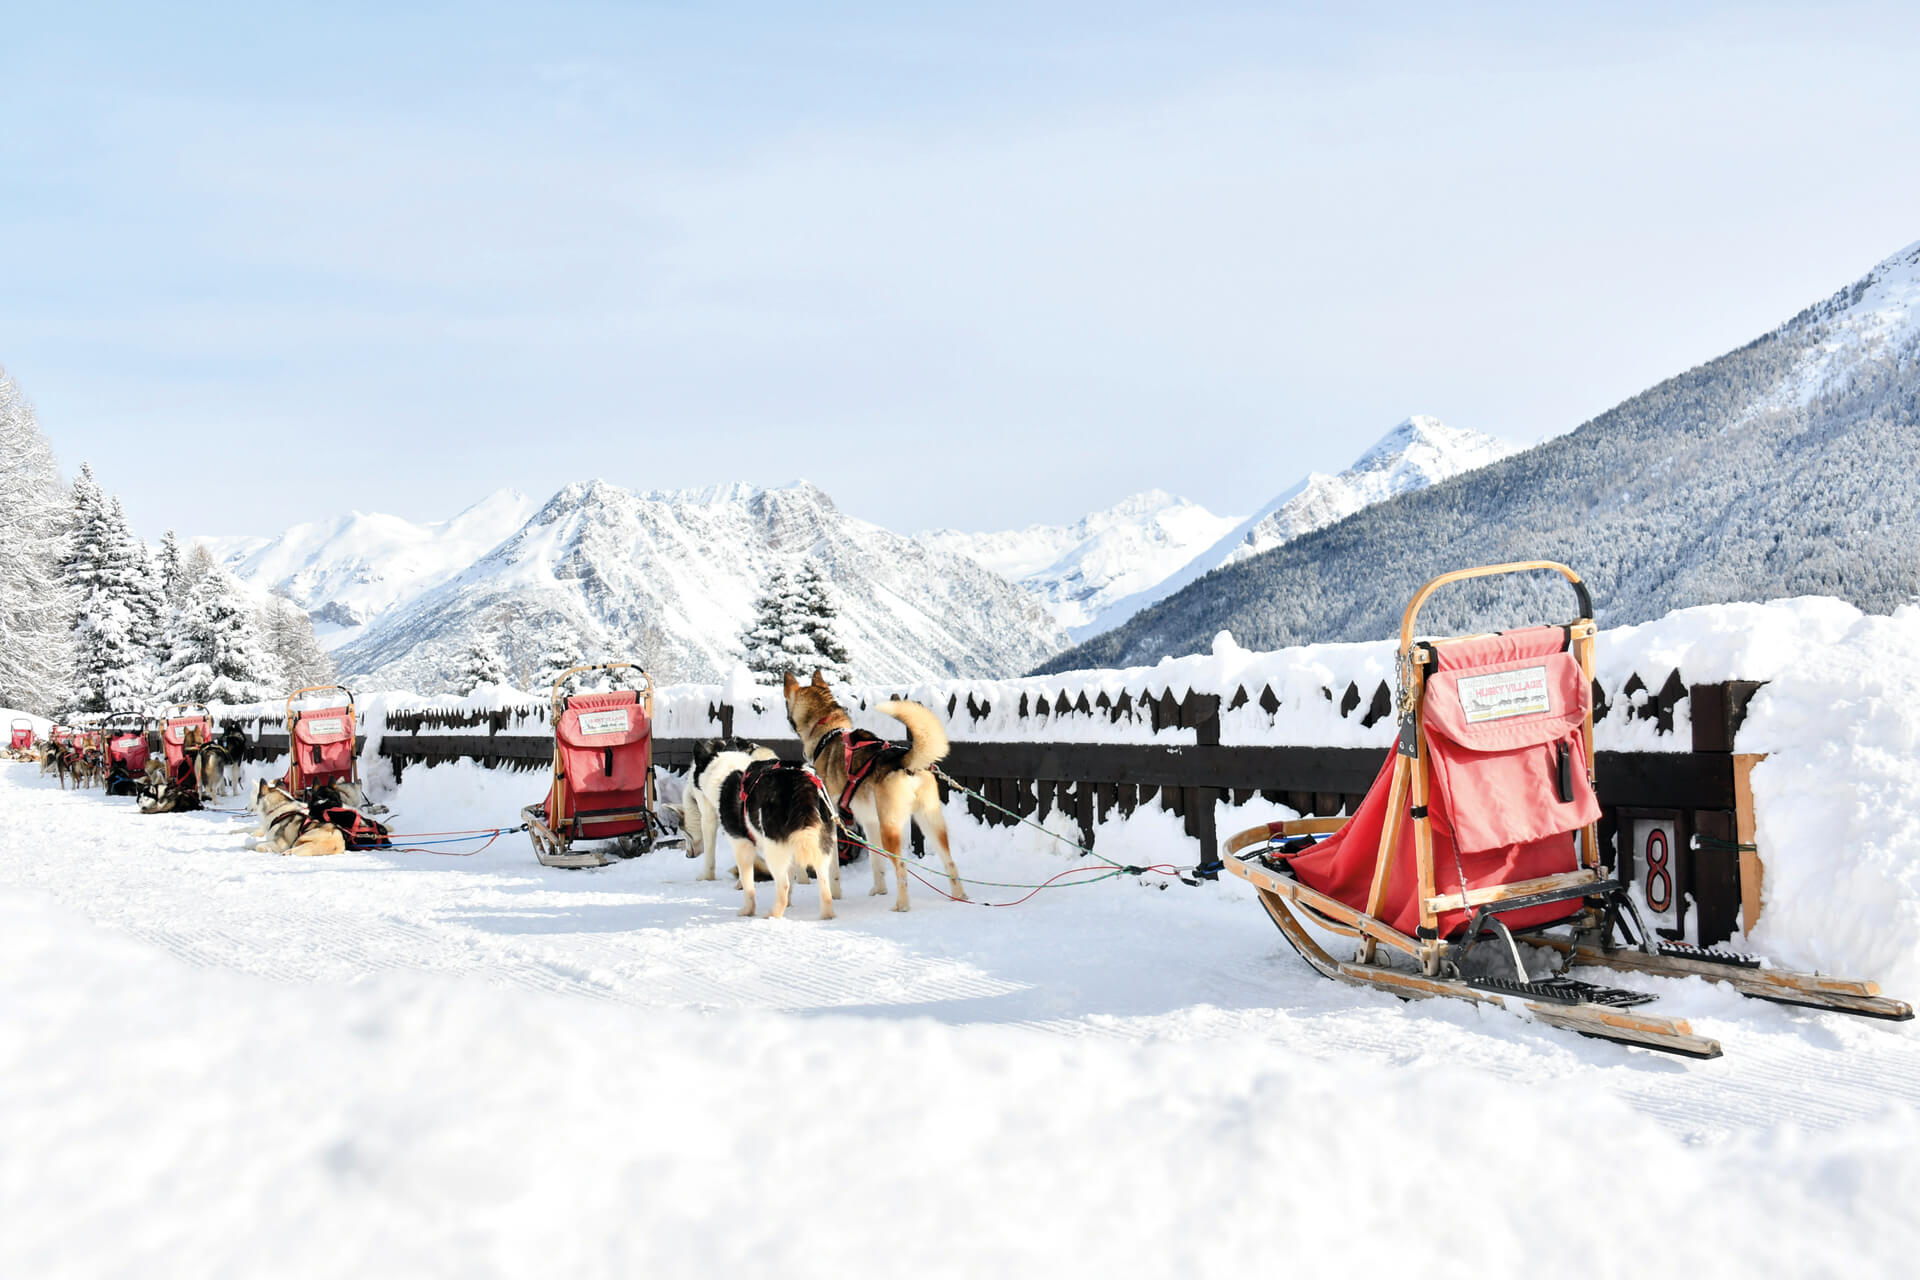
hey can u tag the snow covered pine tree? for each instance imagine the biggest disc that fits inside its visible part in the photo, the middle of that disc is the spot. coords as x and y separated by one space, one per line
215 652
288 633
36 610
792 628
172 566
481 663
106 572
818 616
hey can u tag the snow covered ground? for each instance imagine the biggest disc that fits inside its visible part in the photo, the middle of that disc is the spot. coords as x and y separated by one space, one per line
217 1062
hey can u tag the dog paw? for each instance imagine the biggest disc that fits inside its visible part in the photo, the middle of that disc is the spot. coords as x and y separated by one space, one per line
901 906
745 912
705 875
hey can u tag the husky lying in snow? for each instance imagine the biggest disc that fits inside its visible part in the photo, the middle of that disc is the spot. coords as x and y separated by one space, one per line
156 794
892 784
283 825
780 812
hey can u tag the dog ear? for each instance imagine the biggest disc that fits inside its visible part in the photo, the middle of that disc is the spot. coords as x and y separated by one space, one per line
819 681
790 683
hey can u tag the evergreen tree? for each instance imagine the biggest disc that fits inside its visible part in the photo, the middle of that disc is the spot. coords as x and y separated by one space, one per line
776 641
818 615
36 607
112 616
288 633
481 663
151 609
215 652
199 562
172 566
563 650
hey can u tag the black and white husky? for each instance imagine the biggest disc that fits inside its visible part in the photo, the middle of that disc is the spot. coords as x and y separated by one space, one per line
700 807
781 813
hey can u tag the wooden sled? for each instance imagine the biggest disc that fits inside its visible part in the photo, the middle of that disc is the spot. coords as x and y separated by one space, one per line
1482 831
602 789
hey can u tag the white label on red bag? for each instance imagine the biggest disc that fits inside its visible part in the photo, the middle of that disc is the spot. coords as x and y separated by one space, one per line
594 723
332 727
1504 695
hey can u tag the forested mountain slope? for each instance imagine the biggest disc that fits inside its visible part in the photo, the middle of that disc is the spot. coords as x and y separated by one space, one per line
1783 468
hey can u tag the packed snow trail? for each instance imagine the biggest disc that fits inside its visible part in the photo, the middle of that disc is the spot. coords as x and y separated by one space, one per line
220 1060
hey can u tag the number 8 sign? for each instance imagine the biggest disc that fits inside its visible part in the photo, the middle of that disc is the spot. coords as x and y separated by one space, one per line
1658 871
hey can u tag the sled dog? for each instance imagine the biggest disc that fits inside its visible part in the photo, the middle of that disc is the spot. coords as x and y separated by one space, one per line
700 807
156 793
216 771
86 770
884 785
780 813
283 825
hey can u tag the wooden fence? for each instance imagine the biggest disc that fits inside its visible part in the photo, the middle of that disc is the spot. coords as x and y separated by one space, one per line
1677 794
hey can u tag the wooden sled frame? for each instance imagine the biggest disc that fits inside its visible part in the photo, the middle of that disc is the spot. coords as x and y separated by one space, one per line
553 834
1593 937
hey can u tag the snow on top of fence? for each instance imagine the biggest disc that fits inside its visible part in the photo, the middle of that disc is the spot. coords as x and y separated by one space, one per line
1332 695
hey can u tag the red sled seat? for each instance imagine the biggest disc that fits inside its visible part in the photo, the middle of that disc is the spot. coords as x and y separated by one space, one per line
604 756
1508 786
323 746
602 787
130 752
174 743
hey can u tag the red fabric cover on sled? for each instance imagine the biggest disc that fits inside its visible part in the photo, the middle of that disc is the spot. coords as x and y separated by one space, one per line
129 750
173 739
322 748
21 739
606 756
1498 710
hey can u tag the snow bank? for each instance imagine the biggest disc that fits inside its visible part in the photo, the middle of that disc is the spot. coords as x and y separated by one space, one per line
1837 802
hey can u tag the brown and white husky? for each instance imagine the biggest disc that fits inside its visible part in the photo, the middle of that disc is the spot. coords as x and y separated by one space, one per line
894 785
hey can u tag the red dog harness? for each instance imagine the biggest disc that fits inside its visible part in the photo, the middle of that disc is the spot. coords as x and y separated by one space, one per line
856 774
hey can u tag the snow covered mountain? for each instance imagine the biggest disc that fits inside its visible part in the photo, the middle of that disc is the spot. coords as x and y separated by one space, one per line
672 576
1782 468
348 571
1078 570
1419 452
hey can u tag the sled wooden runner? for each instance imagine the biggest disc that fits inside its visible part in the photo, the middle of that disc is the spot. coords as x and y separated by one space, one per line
1481 833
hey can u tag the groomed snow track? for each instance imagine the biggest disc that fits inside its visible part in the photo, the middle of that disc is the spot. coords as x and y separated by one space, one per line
1103 978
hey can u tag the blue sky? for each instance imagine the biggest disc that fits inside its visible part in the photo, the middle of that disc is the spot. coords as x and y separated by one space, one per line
972 266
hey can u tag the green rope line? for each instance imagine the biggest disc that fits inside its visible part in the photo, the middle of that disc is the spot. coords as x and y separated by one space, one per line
1083 850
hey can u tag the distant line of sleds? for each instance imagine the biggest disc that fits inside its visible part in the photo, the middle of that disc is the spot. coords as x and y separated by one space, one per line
1471 869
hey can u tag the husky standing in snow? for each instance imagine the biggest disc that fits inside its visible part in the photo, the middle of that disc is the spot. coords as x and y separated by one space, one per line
700 808
778 813
885 785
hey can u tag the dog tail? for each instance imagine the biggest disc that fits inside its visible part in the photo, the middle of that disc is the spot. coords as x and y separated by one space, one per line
926 740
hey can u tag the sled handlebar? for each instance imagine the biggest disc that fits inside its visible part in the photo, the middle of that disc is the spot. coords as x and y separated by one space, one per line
1492 571
318 688
645 691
